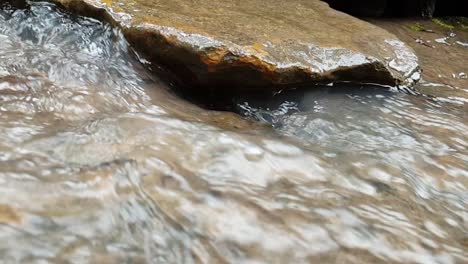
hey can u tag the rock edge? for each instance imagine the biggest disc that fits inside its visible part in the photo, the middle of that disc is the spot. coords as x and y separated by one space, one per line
225 64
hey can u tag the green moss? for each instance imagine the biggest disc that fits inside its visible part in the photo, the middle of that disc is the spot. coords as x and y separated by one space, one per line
442 23
417 27
452 22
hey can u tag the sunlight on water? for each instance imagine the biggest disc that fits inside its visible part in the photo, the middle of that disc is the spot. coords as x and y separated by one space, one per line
99 162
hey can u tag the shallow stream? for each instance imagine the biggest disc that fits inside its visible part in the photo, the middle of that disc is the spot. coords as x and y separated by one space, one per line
101 163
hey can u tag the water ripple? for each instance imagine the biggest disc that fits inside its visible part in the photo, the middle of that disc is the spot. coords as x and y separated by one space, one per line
99 162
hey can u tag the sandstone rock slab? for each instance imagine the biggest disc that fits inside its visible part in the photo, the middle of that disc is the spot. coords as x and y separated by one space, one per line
255 45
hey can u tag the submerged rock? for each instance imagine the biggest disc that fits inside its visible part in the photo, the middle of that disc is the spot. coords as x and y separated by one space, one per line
8 215
227 46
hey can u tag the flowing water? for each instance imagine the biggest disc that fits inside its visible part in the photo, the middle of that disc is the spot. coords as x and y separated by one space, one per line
100 163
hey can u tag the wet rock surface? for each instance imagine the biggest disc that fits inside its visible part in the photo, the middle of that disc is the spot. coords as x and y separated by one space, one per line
442 47
255 45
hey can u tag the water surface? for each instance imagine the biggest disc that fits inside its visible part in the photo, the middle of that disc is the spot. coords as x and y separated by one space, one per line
100 162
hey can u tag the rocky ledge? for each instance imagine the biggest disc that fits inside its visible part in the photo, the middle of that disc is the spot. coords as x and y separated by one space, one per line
255 45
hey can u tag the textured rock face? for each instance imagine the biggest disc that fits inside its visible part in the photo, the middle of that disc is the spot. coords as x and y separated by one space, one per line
252 45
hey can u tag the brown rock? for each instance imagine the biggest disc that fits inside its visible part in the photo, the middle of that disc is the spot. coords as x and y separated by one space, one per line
252 45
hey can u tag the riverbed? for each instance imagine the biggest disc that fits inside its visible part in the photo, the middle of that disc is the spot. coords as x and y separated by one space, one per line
100 161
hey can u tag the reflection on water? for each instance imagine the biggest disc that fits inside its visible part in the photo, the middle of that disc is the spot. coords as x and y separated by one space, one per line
99 163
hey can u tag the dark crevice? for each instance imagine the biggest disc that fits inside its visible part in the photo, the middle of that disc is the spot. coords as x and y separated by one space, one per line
16 4
451 8
267 100
401 8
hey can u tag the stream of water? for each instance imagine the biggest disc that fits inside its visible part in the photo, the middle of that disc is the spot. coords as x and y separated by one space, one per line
101 163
